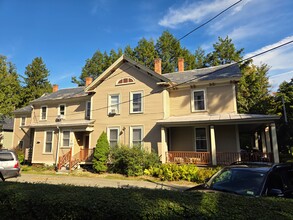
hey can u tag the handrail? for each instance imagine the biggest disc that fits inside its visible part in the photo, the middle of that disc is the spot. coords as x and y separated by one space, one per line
64 159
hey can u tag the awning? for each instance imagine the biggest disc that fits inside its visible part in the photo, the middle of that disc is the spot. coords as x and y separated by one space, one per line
84 125
230 118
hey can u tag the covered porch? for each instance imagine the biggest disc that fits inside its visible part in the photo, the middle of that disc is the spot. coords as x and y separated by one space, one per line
218 139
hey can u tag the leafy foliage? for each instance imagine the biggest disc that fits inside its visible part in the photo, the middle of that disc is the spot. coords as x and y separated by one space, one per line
101 153
10 90
175 172
40 201
132 161
36 81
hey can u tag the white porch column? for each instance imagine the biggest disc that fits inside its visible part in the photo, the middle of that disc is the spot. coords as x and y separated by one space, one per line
275 143
213 145
164 148
268 140
256 140
263 142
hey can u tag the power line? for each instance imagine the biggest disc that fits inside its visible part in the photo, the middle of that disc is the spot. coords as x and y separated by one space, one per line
190 80
208 21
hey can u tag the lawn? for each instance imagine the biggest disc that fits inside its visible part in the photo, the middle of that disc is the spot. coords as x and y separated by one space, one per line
42 201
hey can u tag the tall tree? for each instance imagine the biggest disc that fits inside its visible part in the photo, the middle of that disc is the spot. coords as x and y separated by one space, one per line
224 52
36 81
253 90
145 52
9 87
284 102
200 58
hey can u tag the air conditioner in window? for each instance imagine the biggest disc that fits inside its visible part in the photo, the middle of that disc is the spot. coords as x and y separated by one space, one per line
113 112
60 117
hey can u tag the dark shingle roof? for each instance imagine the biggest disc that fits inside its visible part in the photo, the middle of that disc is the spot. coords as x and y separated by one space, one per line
7 124
63 94
210 73
25 109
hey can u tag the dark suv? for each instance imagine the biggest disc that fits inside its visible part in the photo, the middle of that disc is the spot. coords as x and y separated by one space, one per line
252 179
9 164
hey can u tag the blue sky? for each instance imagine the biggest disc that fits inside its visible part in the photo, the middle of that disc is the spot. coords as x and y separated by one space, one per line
67 32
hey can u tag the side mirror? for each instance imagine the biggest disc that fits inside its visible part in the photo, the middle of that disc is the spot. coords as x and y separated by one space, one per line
275 192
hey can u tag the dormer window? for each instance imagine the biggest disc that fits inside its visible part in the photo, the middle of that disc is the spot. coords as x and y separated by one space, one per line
125 81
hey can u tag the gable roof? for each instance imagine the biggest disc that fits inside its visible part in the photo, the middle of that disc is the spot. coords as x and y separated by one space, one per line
62 94
227 71
25 109
118 63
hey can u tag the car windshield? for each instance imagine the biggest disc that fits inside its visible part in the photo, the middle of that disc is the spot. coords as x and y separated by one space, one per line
238 181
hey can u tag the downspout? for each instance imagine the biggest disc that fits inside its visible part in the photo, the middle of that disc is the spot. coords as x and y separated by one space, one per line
57 150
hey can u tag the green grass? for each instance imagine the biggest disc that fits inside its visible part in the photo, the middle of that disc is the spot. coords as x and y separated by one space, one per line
42 201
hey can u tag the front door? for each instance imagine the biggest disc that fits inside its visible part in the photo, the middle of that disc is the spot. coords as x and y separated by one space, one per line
86 147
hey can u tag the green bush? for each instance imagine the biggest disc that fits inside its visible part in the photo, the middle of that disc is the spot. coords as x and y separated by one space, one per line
175 172
101 154
132 161
20 155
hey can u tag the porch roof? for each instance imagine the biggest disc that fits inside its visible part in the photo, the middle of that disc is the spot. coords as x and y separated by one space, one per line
87 125
228 118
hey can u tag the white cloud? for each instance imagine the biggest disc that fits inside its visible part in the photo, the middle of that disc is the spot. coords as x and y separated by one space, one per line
196 12
277 79
243 32
278 59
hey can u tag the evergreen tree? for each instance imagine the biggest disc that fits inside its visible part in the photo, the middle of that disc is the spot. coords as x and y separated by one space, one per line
285 128
101 153
36 81
224 53
200 58
10 89
145 53
253 90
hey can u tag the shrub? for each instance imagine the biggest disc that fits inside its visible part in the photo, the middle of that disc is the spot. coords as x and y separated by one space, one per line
175 172
132 161
20 154
101 154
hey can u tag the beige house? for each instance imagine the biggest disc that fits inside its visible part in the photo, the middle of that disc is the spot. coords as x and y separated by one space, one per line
6 133
186 117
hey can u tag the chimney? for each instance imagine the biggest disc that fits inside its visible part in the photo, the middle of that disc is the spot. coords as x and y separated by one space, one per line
88 80
180 64
55 88
158 68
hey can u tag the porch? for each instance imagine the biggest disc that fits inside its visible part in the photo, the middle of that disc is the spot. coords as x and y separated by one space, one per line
223 158
218 139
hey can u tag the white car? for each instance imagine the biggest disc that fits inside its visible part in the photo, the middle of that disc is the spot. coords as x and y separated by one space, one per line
9 165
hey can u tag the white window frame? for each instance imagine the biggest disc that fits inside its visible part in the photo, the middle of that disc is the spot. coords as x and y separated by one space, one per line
118 133
131 134
207 139
41 112
69 144
59 110
45 142
110 107
204 98
22 121
88 110
141 102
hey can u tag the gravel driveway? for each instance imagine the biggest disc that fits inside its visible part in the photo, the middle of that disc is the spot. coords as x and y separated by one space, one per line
96 182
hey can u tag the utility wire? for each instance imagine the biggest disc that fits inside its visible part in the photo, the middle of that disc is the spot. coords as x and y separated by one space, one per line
194 78
208 21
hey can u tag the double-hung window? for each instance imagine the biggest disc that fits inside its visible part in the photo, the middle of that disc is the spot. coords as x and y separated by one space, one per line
136 135
22 122
201 139
62 110
114 104
49 142
43 112
136 103
198 100
66 138
88 110
113 136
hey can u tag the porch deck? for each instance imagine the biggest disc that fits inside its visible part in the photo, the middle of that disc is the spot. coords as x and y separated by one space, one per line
223 158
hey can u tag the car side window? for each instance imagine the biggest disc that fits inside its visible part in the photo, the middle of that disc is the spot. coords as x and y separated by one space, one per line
275 182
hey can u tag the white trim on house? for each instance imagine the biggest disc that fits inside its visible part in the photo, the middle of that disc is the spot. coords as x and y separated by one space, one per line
132 93
69 141
204 100
117 128
59 111
112 108
45 142
141 127
22 124
88 114
206 138
41 113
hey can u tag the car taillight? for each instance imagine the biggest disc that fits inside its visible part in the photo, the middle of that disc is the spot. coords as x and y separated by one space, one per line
16 165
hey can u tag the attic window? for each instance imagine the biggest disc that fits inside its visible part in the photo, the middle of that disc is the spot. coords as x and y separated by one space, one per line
125 81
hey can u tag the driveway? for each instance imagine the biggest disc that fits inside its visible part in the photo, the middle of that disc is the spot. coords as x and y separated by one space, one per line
96 182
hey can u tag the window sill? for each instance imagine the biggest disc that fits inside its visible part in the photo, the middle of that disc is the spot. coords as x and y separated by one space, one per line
199 111
136 113
48 153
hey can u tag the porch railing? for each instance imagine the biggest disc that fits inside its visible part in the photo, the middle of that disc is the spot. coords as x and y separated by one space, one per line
202 158
63 160
223 158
